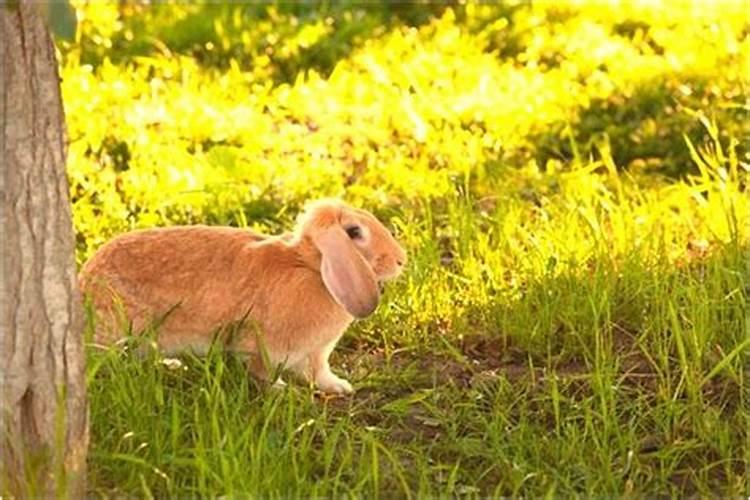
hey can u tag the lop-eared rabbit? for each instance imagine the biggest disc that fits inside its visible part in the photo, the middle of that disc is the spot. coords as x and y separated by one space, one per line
289 297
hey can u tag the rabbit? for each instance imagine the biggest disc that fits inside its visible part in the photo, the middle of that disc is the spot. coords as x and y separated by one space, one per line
292 295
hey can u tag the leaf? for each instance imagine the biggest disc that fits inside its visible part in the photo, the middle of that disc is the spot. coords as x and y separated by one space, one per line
725 361
61 19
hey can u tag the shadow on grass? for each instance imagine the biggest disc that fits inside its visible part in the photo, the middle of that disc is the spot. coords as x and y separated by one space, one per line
296 36
646 130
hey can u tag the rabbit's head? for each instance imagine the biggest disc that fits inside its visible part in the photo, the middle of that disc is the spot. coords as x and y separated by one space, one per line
357 253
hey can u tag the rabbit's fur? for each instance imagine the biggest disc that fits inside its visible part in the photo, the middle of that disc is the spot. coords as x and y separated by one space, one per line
288 298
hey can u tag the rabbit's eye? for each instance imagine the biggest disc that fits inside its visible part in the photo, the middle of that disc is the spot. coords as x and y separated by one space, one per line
354 232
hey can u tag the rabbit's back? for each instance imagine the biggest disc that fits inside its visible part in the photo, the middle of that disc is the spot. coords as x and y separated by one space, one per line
168 271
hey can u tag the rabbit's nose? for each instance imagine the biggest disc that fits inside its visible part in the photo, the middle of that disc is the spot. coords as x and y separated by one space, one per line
400 262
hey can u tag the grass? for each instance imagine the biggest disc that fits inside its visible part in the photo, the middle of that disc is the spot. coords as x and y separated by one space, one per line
656 412
620 374
573 320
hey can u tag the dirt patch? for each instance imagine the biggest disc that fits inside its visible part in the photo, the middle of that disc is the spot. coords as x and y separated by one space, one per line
480 361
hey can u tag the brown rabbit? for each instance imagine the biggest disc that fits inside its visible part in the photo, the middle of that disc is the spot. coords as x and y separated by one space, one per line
293 295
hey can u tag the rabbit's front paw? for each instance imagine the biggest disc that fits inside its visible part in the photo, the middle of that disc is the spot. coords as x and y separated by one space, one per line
333 384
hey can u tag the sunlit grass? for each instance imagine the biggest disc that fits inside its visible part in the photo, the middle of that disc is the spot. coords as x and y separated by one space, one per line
410 113
569 181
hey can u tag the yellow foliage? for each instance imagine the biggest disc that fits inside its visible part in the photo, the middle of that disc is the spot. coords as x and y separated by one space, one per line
411 114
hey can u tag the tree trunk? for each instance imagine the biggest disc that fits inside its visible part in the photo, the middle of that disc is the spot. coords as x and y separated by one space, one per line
44 417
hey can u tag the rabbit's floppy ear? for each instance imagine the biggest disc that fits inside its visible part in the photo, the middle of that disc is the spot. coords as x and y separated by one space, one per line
346 274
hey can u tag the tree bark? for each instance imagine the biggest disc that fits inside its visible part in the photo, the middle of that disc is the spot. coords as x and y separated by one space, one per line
44 414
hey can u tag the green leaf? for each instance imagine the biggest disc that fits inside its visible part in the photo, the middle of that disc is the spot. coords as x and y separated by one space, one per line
61 18
725 361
